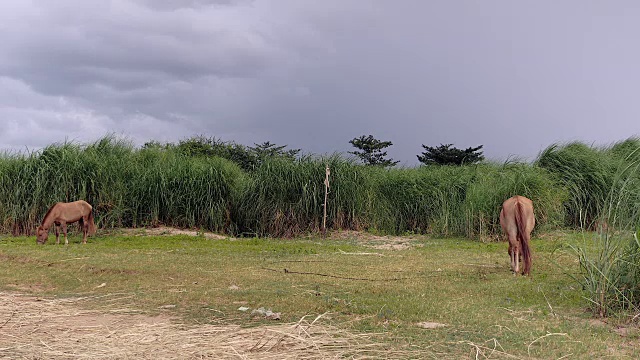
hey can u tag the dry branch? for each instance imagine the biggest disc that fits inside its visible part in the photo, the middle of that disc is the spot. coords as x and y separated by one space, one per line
287 271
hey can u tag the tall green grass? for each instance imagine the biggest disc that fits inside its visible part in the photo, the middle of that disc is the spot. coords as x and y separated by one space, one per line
126 186
131 186
610 258
285 198
461 200
591 176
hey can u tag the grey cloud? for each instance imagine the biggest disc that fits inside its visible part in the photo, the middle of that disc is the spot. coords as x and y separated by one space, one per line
313 74
123 45
172 5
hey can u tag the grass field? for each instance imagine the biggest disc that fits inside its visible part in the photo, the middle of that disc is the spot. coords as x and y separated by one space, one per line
361 283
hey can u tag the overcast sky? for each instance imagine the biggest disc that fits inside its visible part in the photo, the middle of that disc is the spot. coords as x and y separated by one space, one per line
514 76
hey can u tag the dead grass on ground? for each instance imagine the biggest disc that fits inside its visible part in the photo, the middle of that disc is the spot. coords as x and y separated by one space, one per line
166 230
380 242
35 328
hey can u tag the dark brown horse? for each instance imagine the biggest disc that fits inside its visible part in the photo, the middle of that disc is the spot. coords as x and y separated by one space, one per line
62 214
517 220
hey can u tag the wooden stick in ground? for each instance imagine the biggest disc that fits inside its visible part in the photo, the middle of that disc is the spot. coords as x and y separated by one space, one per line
326 192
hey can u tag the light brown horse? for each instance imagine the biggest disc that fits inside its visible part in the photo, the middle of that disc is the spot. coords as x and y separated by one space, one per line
62 214
517 220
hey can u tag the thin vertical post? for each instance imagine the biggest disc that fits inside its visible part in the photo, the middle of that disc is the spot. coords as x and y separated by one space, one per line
326 192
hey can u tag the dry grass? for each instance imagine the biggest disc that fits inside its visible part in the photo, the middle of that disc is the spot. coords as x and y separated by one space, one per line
168 231
35 328
380 242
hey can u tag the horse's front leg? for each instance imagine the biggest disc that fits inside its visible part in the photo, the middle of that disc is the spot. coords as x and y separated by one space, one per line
85 230
57 230
64 231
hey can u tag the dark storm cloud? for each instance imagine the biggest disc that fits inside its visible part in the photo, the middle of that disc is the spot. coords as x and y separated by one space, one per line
514 76
123 61
125 46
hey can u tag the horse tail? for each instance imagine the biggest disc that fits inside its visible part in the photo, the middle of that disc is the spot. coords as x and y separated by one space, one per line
92 224
524 235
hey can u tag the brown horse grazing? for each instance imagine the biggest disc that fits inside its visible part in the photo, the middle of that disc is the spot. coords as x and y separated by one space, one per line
517 221
62 214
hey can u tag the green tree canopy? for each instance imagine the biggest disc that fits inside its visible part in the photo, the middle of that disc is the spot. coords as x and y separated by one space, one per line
269 150
370 151
247 157
449 155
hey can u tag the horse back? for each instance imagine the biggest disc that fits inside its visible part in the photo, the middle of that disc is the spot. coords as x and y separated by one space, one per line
83 204
68 212
517 208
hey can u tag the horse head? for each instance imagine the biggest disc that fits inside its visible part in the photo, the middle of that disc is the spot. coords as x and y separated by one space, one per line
41 235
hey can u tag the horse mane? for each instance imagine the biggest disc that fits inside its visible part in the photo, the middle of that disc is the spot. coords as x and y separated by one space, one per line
46 216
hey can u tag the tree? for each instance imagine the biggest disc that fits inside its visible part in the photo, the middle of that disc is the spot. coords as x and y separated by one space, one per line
448 155
210 146
153 144
370 151
197 146
269 150
247 157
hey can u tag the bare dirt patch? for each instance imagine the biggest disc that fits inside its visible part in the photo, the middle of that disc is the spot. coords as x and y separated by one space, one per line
166 230
380 242
430 325
35 328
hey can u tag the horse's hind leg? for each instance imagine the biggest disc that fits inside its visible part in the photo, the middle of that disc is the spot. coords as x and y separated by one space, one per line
516 259
515 256
520 244
513 253
85 229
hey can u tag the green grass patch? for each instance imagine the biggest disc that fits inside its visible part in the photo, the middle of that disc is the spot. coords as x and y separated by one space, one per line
463 284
